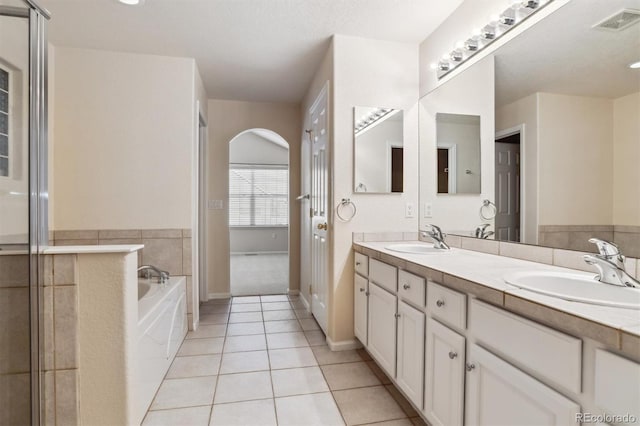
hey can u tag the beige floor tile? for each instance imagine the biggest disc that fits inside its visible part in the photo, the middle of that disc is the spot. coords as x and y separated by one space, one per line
246 307
418 421
401 422
303 313
215 309
201 346
279 315
286 340
315 338
364 354
367 405
309 324
178 393
245 328
213 318
298 304
402 401
194 366
313 409
381 375
275 298
246 299
324 355
243 387
291 358
208 330
276 306
348 376
245 343
243 362
245 317
256 413
298 381
192 416
285 326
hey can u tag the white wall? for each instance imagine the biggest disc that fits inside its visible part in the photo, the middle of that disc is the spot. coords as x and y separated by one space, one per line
459 213
249 148
464 133
124 131
373 160
626 160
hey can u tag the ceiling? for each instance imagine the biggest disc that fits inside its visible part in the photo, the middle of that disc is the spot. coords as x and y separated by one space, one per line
564 54
253 50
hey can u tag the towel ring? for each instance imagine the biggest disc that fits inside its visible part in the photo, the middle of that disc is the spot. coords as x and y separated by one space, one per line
344 203
493 210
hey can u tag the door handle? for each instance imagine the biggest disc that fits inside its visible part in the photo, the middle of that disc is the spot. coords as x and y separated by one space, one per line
303 197
323 226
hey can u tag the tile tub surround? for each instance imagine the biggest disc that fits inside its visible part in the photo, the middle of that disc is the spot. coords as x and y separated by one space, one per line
262 372
575 237
167 249
481 275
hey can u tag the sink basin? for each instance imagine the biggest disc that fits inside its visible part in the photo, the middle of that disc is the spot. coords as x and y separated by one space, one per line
576 287
416 249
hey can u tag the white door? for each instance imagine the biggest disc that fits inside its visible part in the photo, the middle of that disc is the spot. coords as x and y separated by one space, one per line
381 336
500 394
320 207
444 375
410 370
305 216
507 191
360 298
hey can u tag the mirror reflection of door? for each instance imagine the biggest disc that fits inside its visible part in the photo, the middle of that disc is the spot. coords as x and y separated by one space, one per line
397 169
443 171
507 183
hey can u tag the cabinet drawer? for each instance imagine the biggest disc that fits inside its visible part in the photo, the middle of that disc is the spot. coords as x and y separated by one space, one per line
447 305
384 275
411 288
541 350
361 264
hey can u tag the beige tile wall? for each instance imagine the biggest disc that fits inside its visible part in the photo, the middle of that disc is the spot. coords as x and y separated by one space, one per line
167 249
576 237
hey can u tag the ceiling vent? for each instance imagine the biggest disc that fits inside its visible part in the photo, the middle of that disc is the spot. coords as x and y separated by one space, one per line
619 21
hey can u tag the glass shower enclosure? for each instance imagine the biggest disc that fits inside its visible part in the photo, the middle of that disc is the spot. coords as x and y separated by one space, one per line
23 208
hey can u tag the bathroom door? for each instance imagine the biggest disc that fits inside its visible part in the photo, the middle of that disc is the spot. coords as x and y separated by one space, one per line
507 191
320 207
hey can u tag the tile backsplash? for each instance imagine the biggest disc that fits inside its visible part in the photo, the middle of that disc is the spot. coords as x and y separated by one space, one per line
576 237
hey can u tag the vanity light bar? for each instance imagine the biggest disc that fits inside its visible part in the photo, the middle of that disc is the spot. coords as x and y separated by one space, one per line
498 25
369 119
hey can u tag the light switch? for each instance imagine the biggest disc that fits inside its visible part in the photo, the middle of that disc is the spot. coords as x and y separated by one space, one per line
215 205
409 210
428 210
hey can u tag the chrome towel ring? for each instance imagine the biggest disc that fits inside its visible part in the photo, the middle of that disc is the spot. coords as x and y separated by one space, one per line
492 210
346 202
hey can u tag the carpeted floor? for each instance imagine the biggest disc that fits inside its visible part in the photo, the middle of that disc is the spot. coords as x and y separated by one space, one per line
259 274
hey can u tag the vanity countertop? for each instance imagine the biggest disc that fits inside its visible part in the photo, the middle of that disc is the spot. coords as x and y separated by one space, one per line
482 274
120 248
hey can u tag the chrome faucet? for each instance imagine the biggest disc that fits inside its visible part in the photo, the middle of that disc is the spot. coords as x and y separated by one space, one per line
146 270
437 236
481 231
610 264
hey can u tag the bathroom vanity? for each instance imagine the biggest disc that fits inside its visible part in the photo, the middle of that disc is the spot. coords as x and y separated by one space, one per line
467 348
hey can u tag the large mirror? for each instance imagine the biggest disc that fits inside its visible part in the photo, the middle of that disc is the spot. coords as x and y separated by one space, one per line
378 150
566 146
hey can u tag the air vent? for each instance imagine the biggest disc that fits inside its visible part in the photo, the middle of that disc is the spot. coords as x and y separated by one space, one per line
619 21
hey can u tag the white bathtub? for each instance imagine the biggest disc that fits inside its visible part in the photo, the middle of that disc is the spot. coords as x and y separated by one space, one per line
162 326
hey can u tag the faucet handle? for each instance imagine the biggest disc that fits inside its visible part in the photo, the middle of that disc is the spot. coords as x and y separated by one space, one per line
606 248
436 231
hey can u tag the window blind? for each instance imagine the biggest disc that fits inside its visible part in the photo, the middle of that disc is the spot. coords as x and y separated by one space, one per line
258 195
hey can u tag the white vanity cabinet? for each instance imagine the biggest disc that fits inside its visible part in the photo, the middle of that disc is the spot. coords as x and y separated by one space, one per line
498 393
444 375
381 336
360 308
410 348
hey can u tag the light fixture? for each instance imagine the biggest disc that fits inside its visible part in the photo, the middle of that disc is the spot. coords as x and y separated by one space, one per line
371 118
498 25
131 2
635 65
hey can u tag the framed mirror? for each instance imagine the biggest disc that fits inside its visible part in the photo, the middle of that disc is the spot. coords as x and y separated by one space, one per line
458 153
378 150
566 145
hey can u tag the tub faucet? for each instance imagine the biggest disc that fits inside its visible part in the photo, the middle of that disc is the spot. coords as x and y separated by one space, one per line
610 264
437 236
481 231
146 270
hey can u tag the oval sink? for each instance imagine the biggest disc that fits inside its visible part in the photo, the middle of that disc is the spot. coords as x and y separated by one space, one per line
416 249
576 287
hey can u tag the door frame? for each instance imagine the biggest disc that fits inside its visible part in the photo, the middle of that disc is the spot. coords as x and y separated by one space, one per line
452 148
199 240
519 129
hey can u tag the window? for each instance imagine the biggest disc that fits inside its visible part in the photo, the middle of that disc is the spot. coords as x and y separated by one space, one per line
4 123
258 195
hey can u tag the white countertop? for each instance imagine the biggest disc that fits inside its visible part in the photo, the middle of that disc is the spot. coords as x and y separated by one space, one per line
121 248
489 270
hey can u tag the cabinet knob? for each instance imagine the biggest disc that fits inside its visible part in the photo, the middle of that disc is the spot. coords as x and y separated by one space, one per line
406 286
361 290
397 315
366 293
470 366
440 303
453 354
358 263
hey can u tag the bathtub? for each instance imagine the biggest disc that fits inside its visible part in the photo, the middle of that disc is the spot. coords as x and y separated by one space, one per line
162 326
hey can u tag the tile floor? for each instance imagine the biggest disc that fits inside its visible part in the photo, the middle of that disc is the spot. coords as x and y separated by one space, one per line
263 360
263 273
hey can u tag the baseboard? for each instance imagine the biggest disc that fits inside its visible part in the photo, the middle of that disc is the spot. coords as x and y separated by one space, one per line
218 296
293 292
343 345
304 300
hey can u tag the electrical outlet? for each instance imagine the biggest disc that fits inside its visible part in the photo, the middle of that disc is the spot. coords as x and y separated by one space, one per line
214 204
408 210
428 210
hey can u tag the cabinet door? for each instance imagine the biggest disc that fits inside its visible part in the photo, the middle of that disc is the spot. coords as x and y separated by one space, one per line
500 394
410 371
444 375
360 293
381 338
